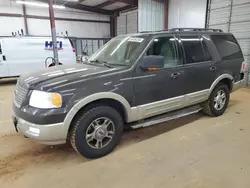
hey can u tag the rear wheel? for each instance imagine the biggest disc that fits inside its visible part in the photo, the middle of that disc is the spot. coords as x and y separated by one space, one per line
96 132
218 101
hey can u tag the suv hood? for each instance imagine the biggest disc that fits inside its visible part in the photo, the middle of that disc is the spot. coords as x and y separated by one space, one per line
69 72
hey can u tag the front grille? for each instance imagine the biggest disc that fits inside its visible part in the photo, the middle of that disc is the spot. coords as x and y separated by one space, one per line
19 95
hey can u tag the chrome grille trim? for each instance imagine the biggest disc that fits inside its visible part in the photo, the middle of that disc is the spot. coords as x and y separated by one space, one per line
19 95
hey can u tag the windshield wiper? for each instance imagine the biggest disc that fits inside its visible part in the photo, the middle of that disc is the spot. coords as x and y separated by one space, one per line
104 63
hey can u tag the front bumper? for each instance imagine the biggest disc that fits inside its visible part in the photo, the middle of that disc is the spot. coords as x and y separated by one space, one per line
50 134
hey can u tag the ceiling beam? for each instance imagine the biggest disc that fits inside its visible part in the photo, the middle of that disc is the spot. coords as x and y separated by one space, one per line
82 7
88 8
104 4
124 8
129 2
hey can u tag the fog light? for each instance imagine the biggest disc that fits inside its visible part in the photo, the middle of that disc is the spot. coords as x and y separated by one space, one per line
34 130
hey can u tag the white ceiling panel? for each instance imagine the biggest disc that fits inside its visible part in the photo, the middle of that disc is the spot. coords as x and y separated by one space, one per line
92 2
115 6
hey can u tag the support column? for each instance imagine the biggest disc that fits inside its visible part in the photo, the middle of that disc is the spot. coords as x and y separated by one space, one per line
166 15
230 15
53 31
113 22
208 11
25 20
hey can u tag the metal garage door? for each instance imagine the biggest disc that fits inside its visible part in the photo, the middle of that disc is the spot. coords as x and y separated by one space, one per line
232 16
127 23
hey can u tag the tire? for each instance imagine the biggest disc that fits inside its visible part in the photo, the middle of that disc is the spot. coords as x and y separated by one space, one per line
209 107
91 122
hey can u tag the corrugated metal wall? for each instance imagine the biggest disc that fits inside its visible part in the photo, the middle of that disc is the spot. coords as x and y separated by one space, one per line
232 16
150 15
127 22
183 13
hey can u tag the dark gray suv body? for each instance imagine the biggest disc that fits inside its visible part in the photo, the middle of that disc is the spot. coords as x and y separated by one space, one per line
132 80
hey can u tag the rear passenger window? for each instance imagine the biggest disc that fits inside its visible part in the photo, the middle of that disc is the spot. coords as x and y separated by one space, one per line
193 49
227 46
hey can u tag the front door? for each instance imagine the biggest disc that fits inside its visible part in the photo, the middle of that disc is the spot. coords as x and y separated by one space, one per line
163 90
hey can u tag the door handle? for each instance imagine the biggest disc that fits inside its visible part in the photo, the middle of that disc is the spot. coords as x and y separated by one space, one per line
175 75
213 68
4 58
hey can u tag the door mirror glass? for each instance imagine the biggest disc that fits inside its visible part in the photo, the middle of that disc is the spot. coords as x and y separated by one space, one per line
152 62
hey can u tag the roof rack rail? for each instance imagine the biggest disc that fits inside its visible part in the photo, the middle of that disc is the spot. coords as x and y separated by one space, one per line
146 31
195 29
185 29
153 31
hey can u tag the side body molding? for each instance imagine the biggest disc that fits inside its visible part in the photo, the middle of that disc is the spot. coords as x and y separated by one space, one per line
130 113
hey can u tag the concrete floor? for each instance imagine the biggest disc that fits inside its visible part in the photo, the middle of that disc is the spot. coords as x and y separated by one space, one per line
192 152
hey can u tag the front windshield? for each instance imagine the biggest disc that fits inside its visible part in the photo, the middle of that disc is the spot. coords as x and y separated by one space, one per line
121 50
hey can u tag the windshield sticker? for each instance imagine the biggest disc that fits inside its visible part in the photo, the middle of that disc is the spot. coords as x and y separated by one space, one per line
135 39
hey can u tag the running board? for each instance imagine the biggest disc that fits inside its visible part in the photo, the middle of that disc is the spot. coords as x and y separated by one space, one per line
166 117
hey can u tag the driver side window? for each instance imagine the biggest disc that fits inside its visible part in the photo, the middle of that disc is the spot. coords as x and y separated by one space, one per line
166 47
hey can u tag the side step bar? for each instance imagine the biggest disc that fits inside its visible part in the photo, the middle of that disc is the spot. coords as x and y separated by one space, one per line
166 117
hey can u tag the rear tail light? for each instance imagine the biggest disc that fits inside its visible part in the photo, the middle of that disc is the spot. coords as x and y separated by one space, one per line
73 48
243 67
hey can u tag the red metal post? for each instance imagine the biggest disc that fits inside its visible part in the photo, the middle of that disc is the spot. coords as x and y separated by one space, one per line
166 15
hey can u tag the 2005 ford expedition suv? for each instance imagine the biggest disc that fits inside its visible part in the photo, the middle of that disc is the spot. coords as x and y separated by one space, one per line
134 80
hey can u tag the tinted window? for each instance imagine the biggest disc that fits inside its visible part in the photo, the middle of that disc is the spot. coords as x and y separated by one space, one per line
227 47
206 51
193 49
166 47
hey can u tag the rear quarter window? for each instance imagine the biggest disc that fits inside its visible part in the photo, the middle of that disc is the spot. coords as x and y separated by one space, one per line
227 47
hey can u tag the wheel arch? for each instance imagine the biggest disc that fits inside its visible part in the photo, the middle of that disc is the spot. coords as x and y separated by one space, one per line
224 78
110 98
52 64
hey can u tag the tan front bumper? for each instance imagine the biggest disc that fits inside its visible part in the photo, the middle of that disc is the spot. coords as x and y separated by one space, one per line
52 134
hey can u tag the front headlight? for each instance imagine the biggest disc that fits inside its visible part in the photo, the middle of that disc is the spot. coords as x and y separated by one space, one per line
45 100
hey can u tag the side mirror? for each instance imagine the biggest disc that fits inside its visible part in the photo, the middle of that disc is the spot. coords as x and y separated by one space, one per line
152 62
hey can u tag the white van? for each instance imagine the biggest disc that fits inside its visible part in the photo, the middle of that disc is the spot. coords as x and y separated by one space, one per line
20 55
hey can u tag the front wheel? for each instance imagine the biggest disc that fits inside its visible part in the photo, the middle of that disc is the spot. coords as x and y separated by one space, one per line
96 132
218 101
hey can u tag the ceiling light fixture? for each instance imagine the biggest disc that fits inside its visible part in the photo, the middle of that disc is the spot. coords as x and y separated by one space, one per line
39 4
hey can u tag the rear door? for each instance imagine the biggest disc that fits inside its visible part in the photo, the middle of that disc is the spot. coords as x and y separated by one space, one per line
199 66
4 71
